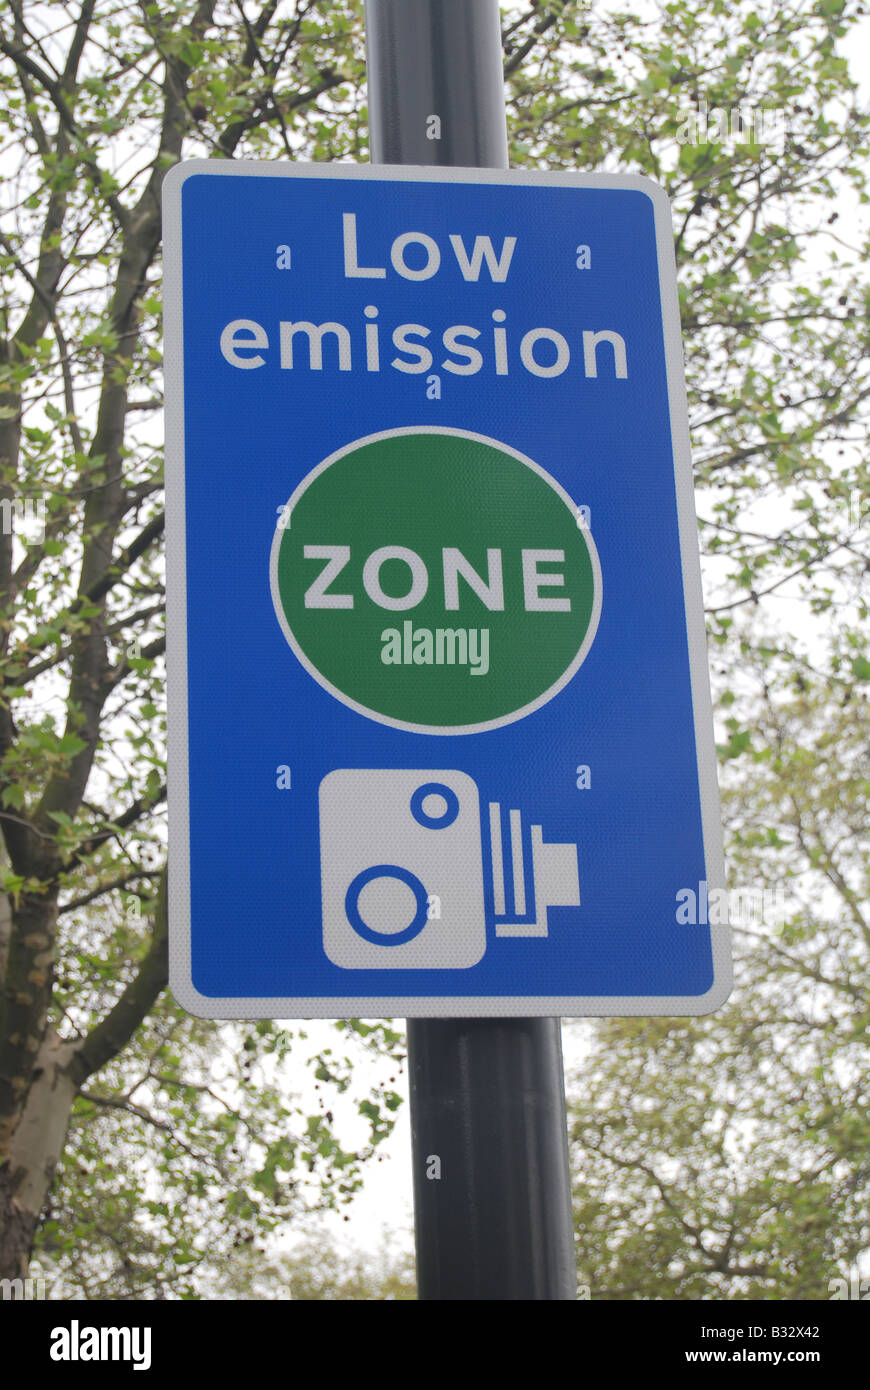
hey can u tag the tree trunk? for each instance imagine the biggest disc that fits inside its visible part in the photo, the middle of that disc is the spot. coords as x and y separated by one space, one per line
37 1142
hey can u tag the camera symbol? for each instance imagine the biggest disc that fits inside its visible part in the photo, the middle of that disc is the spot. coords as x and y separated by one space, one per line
403 871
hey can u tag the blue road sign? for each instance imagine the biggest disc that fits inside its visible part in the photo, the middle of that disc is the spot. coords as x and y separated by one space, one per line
439 718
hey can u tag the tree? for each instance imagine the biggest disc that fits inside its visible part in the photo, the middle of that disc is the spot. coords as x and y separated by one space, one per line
727 1157
98 99
318 1271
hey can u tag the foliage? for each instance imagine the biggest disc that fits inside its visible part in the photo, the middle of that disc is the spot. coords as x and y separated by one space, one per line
194 1150
183 1146
319 1270
729 1157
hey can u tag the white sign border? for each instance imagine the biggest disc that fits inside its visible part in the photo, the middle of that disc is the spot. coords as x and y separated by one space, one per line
178 899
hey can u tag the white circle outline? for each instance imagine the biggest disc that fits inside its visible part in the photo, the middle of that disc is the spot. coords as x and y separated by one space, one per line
286 515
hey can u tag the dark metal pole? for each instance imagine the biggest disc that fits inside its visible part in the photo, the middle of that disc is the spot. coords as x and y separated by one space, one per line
492 1193
436 58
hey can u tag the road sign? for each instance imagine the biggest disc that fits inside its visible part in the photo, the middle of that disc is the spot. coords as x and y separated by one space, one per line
440 727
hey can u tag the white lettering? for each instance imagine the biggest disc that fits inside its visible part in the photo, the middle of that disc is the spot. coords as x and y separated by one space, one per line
474 359
533 581
617 342
314 333
483 250
372 577
316 595
527 354
352 268
433 256
232 344
400 341
490 592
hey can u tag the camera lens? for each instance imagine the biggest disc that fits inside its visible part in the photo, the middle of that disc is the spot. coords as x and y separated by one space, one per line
384 906
435 805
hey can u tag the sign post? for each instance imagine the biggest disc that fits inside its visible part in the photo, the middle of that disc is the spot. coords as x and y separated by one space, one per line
439 719
492 1183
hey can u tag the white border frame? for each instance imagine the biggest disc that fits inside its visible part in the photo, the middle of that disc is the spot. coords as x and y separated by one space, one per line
181 984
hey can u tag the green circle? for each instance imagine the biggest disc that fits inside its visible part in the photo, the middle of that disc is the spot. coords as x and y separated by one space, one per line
469 519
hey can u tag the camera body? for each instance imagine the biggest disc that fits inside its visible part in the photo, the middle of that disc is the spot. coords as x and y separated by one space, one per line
404 870
401 869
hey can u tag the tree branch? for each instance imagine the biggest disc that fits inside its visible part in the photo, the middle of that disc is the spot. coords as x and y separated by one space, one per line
112 1033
